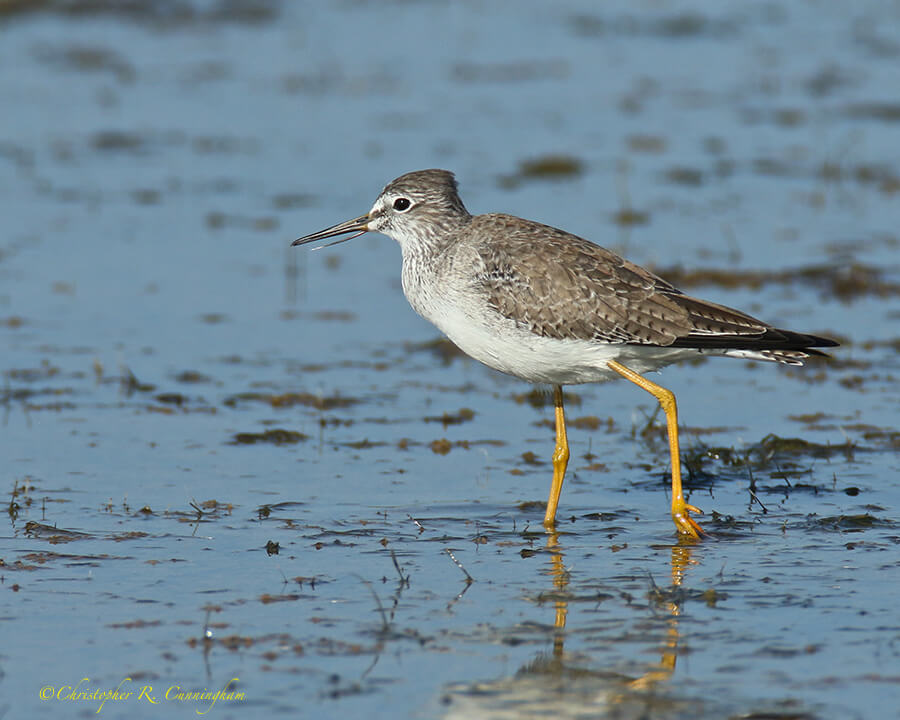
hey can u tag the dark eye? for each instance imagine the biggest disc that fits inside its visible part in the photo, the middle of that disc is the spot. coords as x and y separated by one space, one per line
402 204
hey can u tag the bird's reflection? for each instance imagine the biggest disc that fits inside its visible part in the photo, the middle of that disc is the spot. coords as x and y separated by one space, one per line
564 685
560 581
681 559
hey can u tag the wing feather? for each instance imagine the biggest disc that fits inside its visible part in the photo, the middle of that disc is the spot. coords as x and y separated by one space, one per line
562 286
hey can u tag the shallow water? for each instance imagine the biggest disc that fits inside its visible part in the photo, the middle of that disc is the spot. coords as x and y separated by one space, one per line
226 458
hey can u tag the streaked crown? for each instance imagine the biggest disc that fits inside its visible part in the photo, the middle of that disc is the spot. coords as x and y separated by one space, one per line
419 208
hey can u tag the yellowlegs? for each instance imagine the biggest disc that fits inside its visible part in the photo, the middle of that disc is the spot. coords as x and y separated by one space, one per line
550 307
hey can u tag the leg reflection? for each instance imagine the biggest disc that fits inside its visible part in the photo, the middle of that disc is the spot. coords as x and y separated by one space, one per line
681 559
560 581
563 685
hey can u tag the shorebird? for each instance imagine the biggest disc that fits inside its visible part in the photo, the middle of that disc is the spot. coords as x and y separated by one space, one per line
552 308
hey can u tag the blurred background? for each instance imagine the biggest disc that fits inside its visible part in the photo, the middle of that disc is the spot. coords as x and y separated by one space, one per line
228 458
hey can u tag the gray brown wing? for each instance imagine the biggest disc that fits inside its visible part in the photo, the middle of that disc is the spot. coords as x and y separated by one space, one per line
561 286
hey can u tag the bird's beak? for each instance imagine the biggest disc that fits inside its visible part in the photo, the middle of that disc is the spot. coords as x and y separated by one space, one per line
358 226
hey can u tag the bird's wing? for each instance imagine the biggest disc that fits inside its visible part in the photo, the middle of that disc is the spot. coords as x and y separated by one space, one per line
561 286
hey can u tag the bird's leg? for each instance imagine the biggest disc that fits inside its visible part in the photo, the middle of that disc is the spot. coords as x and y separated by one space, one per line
683 521
560 458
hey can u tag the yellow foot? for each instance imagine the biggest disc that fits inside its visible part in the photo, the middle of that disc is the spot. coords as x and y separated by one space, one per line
685 523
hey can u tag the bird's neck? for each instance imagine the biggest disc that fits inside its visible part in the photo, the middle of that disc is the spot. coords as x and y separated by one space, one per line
425 260
427 241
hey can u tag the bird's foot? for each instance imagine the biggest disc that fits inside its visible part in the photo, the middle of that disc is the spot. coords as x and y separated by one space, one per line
684 522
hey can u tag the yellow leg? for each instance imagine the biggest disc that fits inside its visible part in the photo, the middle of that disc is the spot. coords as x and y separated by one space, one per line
684 522
560 458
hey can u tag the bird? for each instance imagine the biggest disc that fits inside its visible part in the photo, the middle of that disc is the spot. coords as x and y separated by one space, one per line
552 308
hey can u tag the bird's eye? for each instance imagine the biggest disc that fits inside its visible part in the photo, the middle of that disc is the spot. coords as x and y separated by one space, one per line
402 204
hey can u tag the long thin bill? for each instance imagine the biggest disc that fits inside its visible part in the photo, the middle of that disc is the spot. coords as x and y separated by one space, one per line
358 225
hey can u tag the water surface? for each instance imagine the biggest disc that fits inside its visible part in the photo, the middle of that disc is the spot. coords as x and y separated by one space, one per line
233 464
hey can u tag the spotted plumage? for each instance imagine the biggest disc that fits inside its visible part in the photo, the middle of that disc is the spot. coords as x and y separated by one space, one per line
560 286
550 307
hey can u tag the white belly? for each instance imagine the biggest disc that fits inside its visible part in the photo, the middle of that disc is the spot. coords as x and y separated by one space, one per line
499 344
482 333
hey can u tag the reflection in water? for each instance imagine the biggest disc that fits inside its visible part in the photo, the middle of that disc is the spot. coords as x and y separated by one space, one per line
681 558
560 581
567 685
